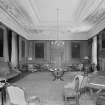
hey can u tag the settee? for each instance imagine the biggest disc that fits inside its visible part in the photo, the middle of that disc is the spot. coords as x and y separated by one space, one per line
6 70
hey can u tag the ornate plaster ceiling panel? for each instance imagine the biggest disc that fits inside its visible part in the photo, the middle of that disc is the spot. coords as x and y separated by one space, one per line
39 17
48 13
17 11
97 15
85 8
10 23
14 12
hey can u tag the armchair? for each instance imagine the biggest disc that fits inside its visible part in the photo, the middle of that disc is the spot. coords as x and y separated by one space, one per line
17 96
71 95
72 90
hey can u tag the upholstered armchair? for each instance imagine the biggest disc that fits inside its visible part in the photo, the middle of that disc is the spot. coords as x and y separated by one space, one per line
17 96
72 91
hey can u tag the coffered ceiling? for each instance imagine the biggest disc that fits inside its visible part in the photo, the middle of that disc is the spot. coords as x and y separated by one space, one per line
38 19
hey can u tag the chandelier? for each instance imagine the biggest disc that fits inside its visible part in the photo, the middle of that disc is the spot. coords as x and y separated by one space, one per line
57 43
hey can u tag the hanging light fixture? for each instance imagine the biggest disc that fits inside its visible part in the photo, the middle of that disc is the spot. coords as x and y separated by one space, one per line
58 43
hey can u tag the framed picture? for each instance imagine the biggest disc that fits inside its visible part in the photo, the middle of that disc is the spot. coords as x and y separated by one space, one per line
39 50
75 49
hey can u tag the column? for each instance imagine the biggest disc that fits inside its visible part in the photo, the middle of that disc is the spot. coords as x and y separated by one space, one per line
30 50
94 50
14 55
47 51
5 46
26 50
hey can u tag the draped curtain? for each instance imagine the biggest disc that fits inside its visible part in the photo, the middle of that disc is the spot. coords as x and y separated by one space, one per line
14 54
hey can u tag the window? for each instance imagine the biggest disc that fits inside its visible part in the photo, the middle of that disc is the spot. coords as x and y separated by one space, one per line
103 39
75 50
23 48
39 50
1 42
9 44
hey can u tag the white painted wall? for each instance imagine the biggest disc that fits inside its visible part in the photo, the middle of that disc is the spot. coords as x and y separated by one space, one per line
66 57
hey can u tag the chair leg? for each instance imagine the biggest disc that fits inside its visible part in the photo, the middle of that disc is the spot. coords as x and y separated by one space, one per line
64 98
77 100
3 96
91 91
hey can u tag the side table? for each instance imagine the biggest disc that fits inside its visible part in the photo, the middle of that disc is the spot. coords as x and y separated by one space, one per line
58 74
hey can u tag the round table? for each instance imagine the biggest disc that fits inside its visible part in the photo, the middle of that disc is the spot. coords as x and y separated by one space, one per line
58 74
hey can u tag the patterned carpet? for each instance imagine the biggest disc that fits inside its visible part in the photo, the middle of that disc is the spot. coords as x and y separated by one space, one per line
50 92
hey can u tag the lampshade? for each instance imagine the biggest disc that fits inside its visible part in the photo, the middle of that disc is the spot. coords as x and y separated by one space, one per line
86 57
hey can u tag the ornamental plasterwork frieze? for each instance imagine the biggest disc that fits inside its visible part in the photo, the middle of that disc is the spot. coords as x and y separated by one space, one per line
12 10
46 32
97 15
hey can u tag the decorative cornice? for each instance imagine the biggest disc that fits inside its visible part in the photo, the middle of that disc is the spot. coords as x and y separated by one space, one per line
35 9
11 9
9 22
97 16
14 18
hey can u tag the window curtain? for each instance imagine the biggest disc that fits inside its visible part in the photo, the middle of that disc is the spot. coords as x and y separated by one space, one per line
14 54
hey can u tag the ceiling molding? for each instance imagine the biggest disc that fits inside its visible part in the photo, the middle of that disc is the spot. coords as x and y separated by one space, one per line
98 15
35 9
48 35
15 13
34 13
12 24
28 22
86 10
80 9
96 29
91 7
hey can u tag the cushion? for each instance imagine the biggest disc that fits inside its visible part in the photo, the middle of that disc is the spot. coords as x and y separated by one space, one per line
16 95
